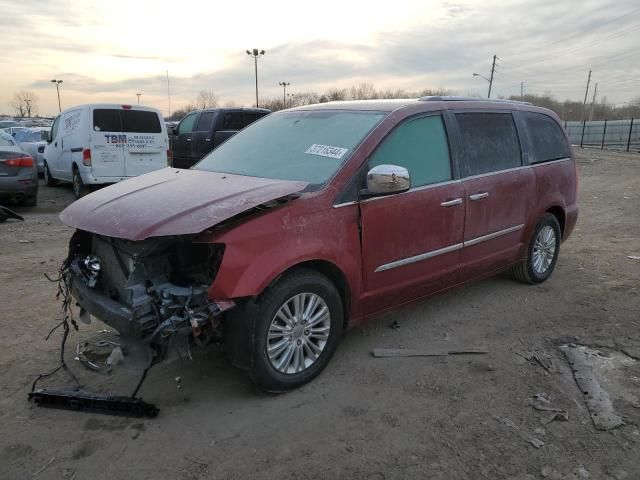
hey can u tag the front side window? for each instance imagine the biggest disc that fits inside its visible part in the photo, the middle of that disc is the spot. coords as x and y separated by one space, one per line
547 140
490 142
420 146
187 123
54 127
301 145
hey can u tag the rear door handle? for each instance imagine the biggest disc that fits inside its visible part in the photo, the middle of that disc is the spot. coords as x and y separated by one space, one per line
479 196
451 203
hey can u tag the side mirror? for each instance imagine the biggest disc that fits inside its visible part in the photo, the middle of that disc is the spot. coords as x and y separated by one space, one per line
49 139
386 179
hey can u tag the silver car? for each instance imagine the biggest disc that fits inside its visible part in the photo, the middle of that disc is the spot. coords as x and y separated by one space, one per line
33 141
18 173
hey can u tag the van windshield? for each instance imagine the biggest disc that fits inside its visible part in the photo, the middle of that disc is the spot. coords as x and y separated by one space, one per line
302 145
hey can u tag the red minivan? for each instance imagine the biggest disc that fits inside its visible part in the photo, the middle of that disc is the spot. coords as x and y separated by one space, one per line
313 219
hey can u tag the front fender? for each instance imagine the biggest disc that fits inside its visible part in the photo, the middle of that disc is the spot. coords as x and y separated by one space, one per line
259 251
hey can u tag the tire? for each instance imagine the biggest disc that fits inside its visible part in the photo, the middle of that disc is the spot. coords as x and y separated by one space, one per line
541 256
79 190
308 347
30 201
48 179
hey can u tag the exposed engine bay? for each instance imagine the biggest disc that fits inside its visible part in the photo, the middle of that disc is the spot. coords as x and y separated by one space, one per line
152 292
149 290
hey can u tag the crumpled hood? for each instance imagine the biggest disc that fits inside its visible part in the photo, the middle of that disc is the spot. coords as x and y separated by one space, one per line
172 202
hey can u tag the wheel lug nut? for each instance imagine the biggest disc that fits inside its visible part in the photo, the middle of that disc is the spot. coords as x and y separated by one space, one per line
299 342
306 332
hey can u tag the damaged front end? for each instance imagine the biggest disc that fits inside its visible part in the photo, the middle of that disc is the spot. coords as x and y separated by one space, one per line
152 291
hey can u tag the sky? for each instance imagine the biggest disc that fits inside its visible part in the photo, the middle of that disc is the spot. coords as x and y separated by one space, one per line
109 51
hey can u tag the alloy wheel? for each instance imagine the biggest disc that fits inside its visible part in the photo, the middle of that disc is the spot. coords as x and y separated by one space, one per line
544 249
298 333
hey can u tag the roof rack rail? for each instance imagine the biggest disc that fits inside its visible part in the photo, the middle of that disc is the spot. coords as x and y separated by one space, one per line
446 98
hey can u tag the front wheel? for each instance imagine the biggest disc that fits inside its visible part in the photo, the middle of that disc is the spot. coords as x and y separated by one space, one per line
48 179
297 327
542 252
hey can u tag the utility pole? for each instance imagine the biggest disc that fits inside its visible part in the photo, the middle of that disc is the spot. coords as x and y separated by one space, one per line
593 102
586 92
284 86
521 90
138 94
58 82
255 53
168 93
493 68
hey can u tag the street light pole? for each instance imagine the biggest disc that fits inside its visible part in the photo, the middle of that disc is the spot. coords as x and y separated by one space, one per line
284 86
138 94
255 53
58 82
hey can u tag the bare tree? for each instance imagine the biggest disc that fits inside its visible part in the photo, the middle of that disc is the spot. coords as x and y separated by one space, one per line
206 99
24 103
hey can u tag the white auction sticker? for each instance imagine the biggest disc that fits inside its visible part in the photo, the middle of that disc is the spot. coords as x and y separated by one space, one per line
327 151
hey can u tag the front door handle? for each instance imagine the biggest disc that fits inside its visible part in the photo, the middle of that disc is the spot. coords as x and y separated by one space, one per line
451 203
188 139
479 196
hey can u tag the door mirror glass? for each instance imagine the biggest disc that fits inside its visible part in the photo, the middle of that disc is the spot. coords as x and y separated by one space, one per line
49 137
386 179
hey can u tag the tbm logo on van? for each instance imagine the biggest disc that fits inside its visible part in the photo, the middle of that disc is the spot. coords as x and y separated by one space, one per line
116 138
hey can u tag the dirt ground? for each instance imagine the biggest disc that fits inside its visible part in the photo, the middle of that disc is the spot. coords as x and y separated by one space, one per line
364 417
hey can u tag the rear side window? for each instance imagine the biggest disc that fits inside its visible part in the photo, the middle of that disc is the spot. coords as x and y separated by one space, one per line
106 120
421 147
232 121
205 122
547 139
249 118
490 142
140 121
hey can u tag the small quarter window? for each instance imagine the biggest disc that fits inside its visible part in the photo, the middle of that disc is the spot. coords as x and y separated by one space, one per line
547 139
490 142
420 146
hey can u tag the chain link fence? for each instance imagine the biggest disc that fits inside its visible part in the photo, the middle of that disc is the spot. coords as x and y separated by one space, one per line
610 134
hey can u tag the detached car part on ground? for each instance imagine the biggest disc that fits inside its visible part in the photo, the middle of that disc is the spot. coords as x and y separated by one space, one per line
310 220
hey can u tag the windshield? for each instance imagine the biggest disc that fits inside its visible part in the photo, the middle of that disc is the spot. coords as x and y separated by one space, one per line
307 146
6 140
31 136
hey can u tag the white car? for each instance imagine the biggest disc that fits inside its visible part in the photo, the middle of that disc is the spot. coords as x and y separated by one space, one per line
99 144
33 141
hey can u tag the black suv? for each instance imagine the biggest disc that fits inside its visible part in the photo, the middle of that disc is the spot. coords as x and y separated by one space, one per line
201 131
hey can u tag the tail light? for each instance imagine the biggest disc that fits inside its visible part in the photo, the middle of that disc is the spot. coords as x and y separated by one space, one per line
25 161
86 157
169 157
126 107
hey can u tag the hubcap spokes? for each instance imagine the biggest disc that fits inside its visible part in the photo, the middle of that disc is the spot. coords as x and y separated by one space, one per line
544 249
298 333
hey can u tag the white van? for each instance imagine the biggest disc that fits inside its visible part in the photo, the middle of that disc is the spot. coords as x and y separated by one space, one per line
104 143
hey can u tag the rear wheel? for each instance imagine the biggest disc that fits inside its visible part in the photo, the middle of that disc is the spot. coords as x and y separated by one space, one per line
48 179
542 252
79 190
296 330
